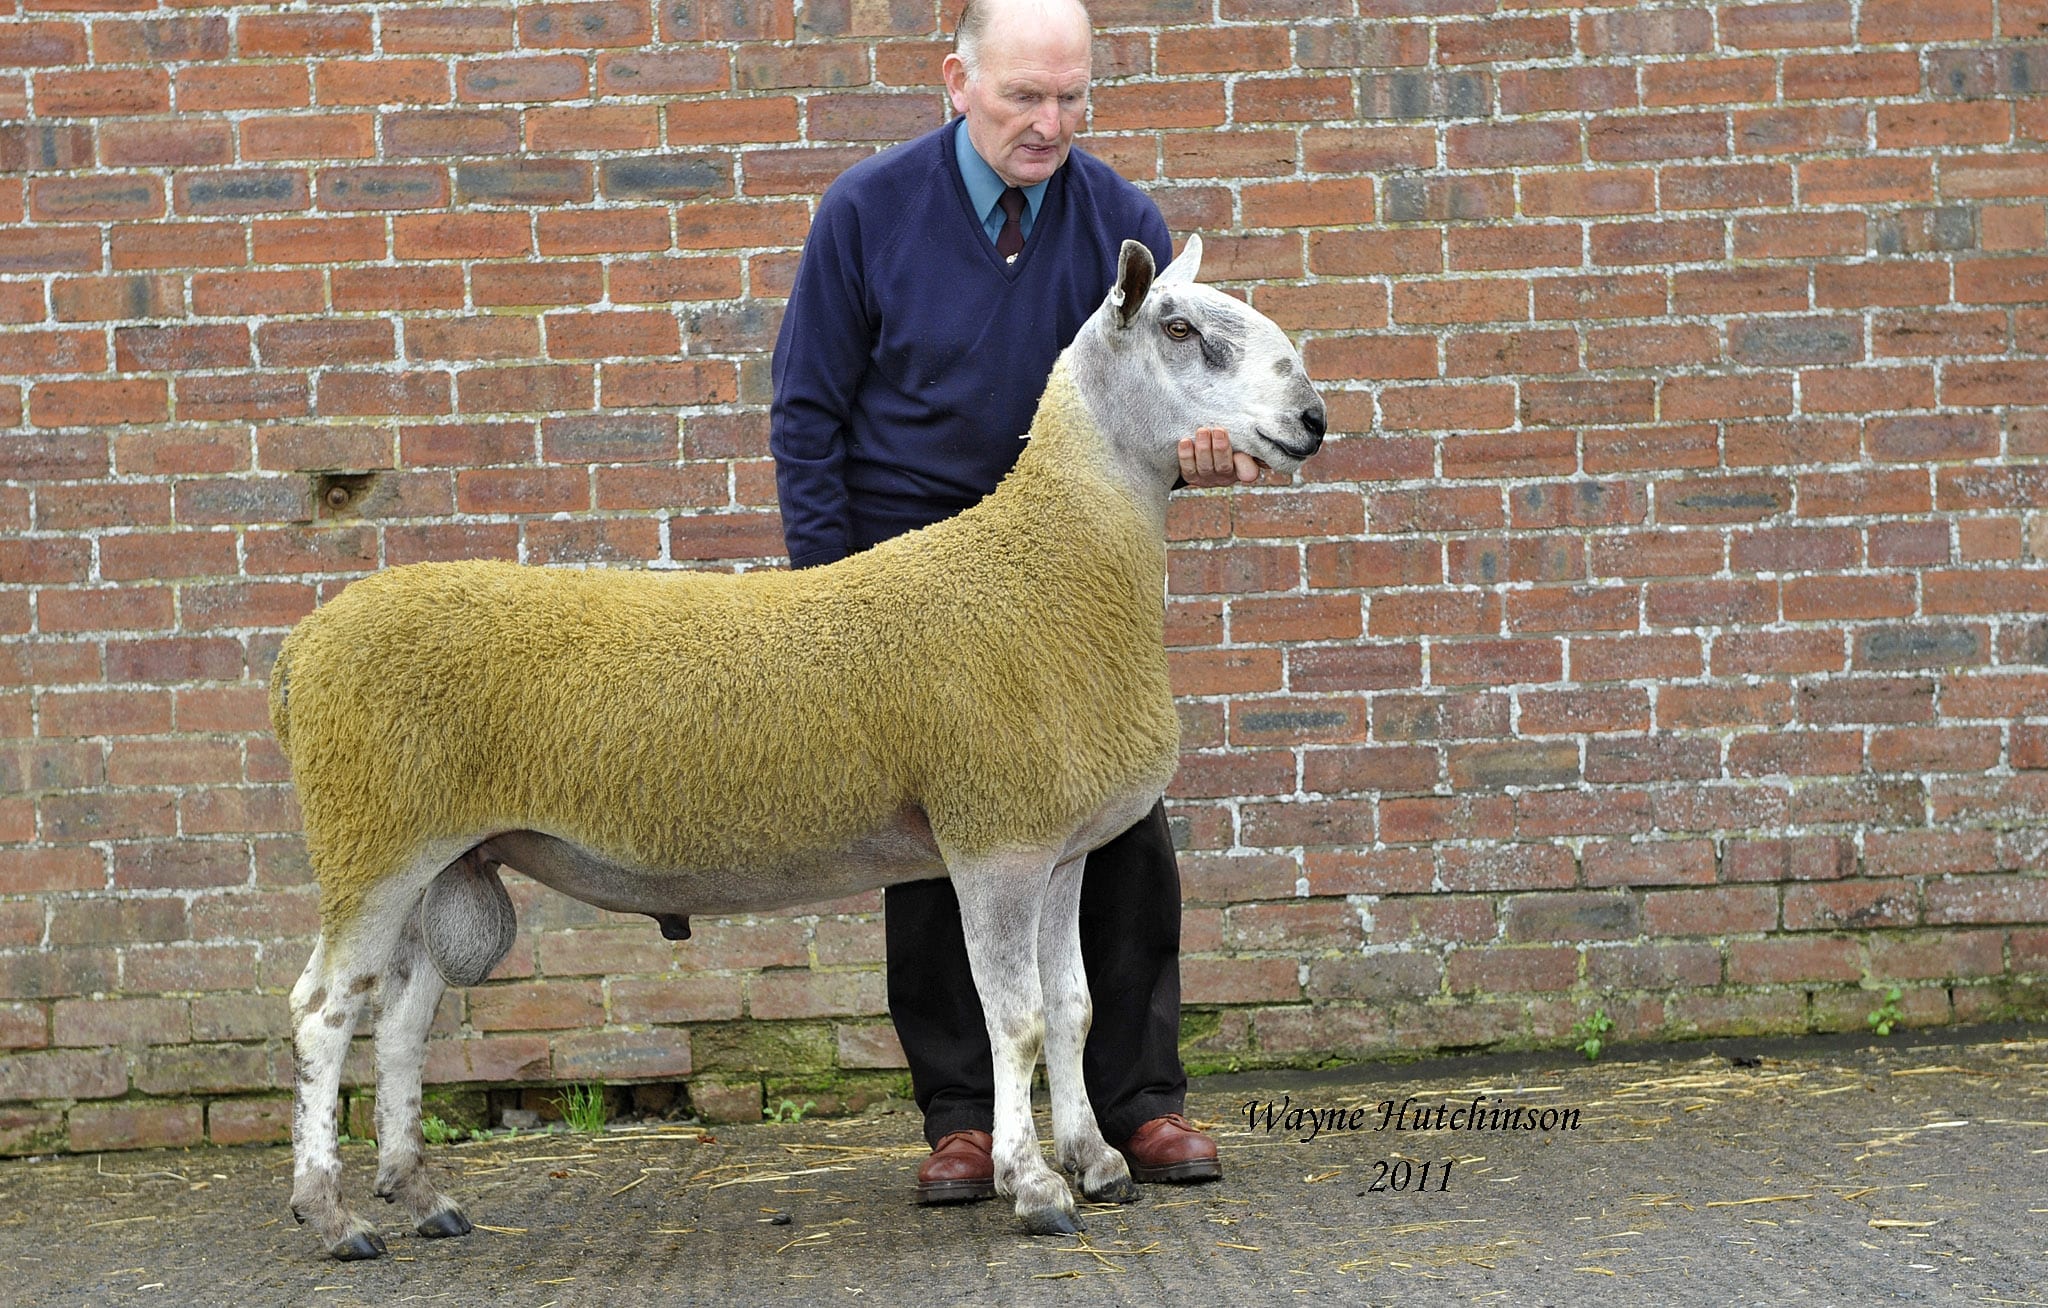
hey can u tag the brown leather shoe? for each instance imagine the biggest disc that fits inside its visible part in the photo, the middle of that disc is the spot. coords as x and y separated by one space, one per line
1170 1149
960 1170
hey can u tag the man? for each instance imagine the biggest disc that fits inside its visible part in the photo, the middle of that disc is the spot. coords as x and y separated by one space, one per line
939 282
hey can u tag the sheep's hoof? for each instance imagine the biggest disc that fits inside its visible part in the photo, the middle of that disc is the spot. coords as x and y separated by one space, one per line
448 1222
358 1245
1051 1221
1122 1190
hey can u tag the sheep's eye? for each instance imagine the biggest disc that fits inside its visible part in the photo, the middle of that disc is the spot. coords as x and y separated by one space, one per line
1179 328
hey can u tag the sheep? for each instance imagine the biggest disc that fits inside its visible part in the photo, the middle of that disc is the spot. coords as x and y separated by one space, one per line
985 699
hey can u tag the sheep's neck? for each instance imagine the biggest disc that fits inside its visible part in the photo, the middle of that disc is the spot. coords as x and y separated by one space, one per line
1067 444
1066 509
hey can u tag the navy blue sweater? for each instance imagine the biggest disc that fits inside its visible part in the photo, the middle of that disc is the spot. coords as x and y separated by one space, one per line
911 357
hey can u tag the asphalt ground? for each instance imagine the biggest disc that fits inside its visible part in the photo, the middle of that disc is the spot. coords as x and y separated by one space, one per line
1791 1172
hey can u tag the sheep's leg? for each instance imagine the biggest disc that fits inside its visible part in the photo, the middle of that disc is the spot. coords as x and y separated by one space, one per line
1077 1142
411 991
326 1003
1001 898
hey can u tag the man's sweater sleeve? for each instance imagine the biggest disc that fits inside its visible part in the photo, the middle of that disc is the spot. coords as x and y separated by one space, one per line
820 355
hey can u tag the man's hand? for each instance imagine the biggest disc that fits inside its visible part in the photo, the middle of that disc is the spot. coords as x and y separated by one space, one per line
1208 460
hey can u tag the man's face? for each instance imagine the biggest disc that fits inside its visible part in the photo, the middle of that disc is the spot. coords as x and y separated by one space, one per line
1032 92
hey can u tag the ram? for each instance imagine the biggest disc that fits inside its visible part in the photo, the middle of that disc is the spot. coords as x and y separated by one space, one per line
985 699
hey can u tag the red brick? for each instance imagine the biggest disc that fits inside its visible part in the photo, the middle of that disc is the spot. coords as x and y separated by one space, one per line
682 382
98 403
1866 181
1504 39
249 1121
1793 961
242 88
1944 126
1994 176
1323 150
1574 608
1367 253
1846 76
35 870
1514 144
1938 955
1670 241
1313 923
1798 235
1518 352
138 1125
383 81
536 1006
299 136
1581 88
1710 81
797 993
447 29
103 92
1434 408
798 171
1308 204
1605 296
108 1021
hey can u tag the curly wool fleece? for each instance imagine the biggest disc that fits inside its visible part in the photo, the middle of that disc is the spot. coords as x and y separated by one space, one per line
1004 671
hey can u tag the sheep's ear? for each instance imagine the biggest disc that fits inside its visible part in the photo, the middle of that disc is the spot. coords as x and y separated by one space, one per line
1184 268
1134 269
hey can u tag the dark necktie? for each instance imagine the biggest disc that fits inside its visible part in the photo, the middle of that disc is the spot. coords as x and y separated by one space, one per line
1010 241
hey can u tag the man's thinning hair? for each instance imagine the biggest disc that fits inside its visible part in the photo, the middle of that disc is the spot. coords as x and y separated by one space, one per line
974 21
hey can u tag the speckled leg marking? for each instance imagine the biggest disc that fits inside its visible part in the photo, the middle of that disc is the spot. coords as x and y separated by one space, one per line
1077 1143
1000 901
347 970
325 1005
410 993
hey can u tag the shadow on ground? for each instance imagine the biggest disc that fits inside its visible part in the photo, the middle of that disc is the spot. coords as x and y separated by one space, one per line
1788 1172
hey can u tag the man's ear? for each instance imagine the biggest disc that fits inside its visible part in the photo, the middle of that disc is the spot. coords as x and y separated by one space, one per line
1134 269
954 70
1184 268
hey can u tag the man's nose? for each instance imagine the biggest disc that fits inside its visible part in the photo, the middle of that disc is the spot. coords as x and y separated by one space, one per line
1047 123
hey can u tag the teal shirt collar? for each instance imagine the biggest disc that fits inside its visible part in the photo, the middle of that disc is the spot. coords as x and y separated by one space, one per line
985 187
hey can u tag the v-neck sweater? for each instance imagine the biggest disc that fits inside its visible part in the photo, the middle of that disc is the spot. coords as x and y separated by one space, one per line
911 356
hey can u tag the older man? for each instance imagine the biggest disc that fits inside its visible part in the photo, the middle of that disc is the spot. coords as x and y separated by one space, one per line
939 282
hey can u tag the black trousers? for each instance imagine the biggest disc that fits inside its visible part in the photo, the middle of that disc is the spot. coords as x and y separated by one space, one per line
1130 946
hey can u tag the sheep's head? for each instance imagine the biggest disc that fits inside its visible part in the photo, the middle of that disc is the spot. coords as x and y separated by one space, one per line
1182 355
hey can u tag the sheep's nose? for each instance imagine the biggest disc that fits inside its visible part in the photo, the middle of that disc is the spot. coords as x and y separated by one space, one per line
1312 418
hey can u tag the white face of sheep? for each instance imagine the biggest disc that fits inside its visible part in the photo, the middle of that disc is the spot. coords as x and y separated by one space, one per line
1186 356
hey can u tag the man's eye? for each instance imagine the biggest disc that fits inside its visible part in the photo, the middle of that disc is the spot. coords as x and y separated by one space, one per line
1179 328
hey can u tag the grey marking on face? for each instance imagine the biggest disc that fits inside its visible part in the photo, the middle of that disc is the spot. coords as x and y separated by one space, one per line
1219 350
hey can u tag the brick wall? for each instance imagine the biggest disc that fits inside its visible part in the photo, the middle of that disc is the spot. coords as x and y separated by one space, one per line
1663 633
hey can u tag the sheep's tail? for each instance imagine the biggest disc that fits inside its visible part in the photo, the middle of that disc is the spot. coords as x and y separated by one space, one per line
281 698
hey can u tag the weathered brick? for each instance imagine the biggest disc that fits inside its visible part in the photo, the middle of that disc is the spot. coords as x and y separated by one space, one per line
622 1055
138 1125
1571 916
1850 904
62 1074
